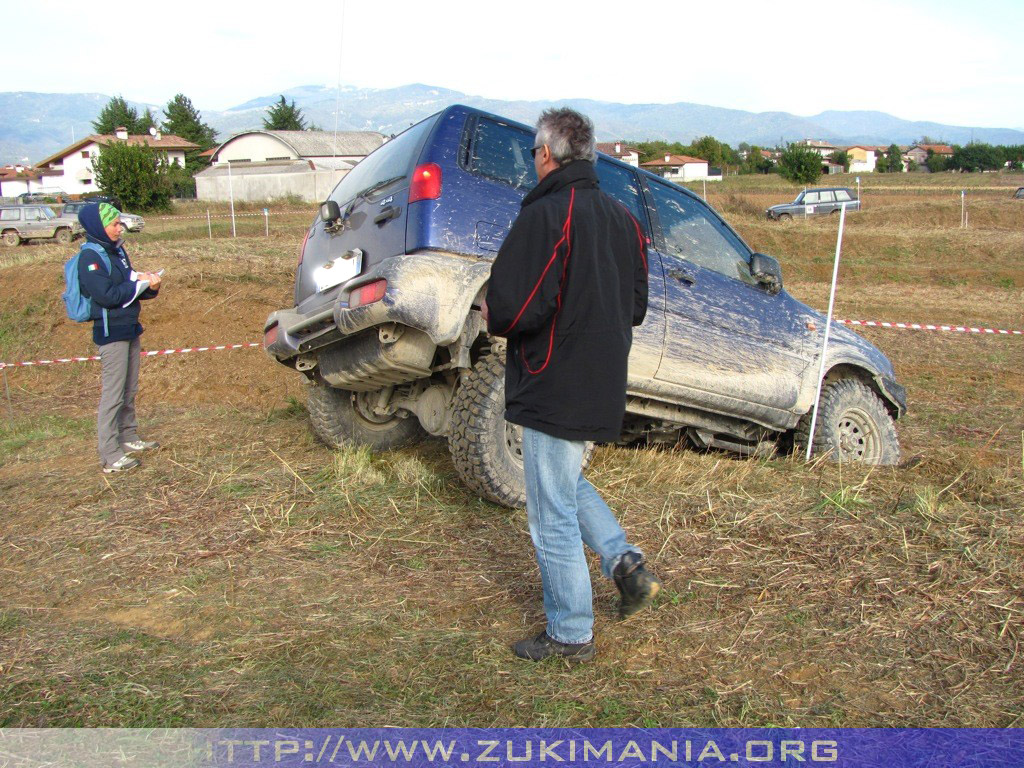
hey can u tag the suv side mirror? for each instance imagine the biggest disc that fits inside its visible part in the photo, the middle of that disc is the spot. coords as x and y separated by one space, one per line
766 271
329 212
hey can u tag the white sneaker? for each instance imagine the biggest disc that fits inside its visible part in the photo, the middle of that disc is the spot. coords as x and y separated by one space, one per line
141 445
123 464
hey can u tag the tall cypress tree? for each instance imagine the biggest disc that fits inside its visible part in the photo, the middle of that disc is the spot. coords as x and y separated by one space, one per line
117 114
184 120
284 117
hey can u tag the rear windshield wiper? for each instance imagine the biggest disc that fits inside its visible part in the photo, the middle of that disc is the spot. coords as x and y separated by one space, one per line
373 188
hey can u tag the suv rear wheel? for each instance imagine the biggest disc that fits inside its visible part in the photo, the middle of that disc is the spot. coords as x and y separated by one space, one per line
853 425
487 451
341 418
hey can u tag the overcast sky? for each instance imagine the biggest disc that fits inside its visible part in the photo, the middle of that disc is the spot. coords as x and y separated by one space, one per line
953 62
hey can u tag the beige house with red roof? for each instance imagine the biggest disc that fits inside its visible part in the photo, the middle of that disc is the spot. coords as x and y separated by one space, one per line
919 152
681 168
71 169
621 151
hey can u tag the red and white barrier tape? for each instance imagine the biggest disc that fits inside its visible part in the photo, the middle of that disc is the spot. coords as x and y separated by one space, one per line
221 347
303 212
922 327
150 353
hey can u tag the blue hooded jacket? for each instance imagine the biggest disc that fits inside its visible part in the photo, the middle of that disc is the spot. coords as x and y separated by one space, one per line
108 290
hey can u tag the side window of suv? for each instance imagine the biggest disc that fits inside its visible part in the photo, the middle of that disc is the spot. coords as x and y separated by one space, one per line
623 185
842 196
32 214
689 230
9 214
826 196
502 152
810 198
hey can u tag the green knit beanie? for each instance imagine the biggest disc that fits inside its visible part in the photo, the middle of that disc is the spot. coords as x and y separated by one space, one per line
108 214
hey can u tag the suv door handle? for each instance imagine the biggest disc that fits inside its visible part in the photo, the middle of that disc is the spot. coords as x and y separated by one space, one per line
683 277
390 212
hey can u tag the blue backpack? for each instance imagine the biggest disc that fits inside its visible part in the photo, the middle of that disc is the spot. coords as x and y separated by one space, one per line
79 306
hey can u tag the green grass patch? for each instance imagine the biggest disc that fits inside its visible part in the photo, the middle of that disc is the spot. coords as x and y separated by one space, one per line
20 433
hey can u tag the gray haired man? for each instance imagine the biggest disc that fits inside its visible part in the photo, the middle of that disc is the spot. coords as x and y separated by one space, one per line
566 289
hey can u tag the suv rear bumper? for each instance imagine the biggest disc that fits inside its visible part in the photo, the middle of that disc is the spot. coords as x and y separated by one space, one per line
430 292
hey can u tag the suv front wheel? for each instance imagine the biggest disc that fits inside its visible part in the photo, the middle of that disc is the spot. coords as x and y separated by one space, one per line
853 425
341 418
11 238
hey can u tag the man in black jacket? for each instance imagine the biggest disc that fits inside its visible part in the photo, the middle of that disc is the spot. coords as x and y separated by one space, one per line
566 289
116 329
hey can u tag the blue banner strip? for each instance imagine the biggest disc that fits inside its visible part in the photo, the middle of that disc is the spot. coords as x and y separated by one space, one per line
601 747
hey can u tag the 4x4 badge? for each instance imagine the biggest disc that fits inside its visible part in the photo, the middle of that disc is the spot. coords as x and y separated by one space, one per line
386 200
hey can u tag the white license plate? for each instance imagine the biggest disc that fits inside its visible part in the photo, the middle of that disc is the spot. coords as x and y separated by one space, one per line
336 272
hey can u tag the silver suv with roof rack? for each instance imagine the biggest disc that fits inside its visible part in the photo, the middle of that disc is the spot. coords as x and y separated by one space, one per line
35 222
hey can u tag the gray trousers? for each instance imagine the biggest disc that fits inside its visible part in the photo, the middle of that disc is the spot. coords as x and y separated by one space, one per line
119 382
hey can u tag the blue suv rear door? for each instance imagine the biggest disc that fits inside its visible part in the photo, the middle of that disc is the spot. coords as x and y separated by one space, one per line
622 183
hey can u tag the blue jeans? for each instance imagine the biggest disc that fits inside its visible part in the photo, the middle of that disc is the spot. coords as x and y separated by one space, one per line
564 512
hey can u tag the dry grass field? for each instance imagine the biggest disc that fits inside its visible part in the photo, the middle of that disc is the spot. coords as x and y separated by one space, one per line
246 575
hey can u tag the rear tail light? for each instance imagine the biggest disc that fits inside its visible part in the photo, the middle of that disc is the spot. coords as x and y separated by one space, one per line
367 294
426 182
302 250
269 336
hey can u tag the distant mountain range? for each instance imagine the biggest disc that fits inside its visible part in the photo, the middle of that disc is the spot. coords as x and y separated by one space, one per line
35 125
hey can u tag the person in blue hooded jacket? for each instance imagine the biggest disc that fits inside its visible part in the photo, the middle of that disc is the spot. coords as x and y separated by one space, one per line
114 291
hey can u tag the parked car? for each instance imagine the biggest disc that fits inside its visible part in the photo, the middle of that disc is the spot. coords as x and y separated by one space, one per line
815 202
44 195
1019 194
35 222
386 323
132 222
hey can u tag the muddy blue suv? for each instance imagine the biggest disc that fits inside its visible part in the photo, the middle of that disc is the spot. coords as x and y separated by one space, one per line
386 323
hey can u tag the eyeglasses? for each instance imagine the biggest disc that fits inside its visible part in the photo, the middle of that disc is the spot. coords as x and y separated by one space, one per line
533 151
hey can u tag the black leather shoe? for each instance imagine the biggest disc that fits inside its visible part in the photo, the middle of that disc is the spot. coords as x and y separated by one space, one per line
636 584
543 645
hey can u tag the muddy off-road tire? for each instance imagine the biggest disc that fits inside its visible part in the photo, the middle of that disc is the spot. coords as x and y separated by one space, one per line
486 450
853 425
341 418
64 236
11 238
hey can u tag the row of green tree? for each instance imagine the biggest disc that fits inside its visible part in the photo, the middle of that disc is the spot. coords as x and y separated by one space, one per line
135 173
804 165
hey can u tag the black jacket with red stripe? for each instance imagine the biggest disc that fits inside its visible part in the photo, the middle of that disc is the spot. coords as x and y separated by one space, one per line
566 289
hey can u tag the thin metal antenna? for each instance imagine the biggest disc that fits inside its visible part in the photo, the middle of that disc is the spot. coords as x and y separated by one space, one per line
337 89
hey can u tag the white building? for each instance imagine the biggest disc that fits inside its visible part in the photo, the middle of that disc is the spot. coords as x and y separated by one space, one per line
262 165
862 159
682 168
620 151
71 169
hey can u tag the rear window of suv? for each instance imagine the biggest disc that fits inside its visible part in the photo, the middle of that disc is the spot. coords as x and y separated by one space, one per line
10 214
502 152
393 160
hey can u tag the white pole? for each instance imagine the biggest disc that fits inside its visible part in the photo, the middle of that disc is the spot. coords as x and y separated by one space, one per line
963 209
209 226
266 221
828 328
861 206
231 195
705 181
